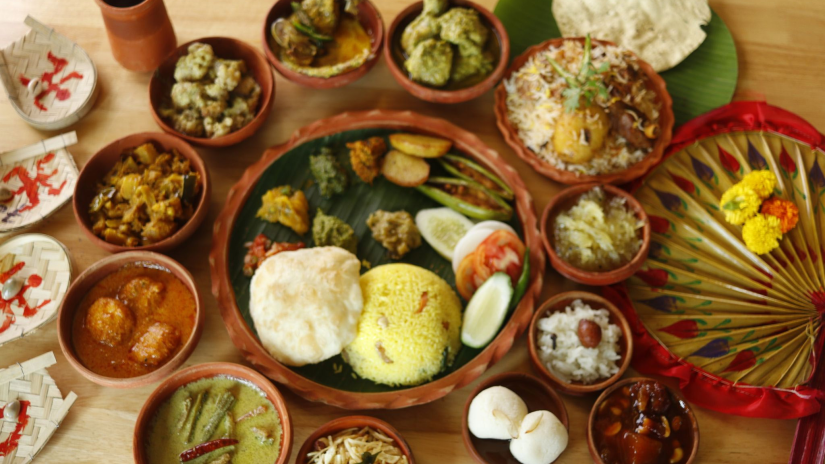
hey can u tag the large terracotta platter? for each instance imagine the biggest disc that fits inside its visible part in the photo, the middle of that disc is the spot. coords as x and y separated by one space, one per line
333 381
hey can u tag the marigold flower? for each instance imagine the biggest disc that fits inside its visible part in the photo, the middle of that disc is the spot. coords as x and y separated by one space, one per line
739 203
761 182
785 210
762 233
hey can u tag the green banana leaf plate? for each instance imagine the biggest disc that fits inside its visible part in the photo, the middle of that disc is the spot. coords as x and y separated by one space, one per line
703 81
333 381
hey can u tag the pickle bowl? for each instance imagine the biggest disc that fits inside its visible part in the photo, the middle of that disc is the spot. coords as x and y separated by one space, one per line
688 455
105 159
162 80
536 394
371 21
353 422
165 390
395 58
565 200
87 280
558 303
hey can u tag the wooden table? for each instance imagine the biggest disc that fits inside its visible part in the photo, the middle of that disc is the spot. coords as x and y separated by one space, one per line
780 58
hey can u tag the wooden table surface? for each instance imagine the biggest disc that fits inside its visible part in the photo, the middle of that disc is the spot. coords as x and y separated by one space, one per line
780 58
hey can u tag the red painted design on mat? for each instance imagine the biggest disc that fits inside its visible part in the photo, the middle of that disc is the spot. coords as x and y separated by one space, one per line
6 447
47 79
19 300
31 185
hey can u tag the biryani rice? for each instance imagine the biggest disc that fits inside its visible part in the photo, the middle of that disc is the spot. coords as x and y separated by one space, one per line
534 104
409 327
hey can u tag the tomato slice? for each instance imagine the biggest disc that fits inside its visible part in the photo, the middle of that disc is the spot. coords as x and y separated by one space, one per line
502 251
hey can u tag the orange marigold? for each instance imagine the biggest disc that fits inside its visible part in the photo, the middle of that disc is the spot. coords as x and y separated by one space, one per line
785 210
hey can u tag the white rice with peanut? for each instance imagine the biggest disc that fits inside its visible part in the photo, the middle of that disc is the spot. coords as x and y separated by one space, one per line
535 103
563 353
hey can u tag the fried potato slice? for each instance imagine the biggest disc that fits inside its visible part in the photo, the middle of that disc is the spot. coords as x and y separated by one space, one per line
405 170
420 145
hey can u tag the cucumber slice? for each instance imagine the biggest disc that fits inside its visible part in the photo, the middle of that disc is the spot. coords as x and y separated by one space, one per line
442 228
486 311
523 280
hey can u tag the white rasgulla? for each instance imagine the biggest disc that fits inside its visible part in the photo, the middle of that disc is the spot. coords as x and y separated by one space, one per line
496 413
541 439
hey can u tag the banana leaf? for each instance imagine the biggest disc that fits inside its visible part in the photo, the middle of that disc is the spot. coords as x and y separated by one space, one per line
354 207
704 80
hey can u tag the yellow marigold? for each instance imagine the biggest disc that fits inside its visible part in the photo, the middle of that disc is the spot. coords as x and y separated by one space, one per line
739 203
762 233
761 182
785 210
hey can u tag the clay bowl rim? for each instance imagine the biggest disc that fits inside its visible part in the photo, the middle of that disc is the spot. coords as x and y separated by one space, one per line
88 278
564 199
497 380
208 370
367 8
435 95
592 417
346 422
510 134
405 121
553 305
168 142
264 79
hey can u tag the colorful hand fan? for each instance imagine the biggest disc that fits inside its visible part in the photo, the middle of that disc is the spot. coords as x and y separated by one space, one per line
741 331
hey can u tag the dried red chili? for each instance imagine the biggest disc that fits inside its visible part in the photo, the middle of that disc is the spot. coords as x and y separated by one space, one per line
205 448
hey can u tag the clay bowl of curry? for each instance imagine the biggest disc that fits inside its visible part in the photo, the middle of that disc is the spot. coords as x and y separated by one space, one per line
368 434
214 413
319 48
463 61
537 396
213 91
579 222
552 340
130 319
642 420
118 191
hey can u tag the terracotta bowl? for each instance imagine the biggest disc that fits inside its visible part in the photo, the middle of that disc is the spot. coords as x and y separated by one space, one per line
666 120
370 19
104 160
163 78
395 59
558 303
691 454
342 423
565 200
91 276
406 121
535 393
203 371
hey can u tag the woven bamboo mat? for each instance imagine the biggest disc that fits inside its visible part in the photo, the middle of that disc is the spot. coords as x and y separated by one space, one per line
67 76
30 381
42 178
43 264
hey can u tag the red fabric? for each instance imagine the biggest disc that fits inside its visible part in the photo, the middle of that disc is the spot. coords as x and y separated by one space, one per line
650 357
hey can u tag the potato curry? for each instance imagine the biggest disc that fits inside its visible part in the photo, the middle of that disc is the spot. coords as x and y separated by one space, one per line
133 321
145 198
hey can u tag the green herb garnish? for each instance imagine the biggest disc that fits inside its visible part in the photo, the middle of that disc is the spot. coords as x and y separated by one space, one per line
368 458
586 84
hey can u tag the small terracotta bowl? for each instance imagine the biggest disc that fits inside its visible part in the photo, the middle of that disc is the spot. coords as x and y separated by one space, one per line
91 276
370 20
536 394
594 453
160 85
342 423
510 133
104 160
204 371
565 200
395 58
559 303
